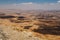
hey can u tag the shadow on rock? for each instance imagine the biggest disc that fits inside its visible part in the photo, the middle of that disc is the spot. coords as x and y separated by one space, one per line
48 30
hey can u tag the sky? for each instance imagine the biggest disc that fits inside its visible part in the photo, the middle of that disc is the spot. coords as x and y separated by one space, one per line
21 1
30 4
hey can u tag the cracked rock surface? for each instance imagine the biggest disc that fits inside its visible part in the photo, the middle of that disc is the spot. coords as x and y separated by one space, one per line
7 33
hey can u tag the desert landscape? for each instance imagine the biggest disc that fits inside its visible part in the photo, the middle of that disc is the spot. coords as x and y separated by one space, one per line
30 25
29 19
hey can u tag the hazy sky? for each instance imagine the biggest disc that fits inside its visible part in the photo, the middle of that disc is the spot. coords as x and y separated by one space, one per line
30 4
22 1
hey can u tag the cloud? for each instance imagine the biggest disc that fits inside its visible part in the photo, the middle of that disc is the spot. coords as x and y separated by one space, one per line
32 6
58 1
27 3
